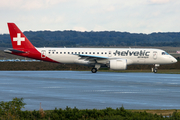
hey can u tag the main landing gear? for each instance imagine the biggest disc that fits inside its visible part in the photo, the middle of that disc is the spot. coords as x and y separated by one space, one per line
155 68
95 68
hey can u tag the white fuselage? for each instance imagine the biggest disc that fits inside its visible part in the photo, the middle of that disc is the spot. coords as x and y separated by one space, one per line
132 55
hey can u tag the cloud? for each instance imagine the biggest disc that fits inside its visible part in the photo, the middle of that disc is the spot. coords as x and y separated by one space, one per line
98 28
56 19
111 8
28 4
77 28
160 1
97 15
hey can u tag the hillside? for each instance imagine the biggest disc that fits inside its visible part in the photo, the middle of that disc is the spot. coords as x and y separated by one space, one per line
103 38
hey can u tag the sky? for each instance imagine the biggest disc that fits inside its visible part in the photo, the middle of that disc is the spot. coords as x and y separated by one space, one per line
134 16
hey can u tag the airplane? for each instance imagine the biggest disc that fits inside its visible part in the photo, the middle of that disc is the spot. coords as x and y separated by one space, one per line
113 58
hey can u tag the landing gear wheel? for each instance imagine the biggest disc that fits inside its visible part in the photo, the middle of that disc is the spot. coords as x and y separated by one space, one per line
155 70
94 70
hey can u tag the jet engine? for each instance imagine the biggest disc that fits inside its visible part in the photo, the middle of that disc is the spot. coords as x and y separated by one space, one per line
118 64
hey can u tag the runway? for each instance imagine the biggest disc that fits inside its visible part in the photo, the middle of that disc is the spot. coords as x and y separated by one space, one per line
85 90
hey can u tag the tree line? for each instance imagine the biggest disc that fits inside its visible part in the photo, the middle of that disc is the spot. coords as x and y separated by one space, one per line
11 110
103 38
56 66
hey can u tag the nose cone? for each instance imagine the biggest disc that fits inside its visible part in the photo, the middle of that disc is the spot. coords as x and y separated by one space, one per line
174 60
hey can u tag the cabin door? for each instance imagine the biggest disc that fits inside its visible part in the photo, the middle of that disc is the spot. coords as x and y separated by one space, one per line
43 54
155 55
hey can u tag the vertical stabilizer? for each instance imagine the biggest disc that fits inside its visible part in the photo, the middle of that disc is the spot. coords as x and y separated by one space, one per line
18 39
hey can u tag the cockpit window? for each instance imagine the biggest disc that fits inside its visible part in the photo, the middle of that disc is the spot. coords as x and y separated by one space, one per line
165 53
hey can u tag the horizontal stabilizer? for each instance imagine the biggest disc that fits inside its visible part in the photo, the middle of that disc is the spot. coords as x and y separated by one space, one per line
13 50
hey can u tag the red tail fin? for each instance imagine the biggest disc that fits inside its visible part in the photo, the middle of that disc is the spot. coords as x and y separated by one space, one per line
18 39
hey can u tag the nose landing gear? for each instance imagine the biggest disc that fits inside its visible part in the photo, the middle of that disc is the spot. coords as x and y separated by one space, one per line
155 68
155 71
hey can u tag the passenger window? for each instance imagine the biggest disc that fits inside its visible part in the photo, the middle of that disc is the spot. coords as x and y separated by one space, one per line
52 52
79 52
89 52
60 52
86 52
97 52
102 53
72 53
82 52
49 52
68 52
105 53
75 52
56 52
93 52
64 52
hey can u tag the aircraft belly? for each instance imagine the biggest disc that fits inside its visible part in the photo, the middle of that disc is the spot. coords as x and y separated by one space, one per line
66 59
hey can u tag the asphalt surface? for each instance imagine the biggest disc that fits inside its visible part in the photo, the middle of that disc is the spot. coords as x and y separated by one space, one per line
85 90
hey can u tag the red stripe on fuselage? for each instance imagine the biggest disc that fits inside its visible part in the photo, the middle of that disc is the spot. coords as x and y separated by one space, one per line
33 53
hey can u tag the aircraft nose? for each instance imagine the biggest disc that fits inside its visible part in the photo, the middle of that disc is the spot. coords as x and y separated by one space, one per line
174 60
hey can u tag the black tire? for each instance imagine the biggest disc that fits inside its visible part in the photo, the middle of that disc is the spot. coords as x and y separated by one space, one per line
155 70
94 70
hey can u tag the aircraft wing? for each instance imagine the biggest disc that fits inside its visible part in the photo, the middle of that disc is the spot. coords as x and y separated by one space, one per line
91 57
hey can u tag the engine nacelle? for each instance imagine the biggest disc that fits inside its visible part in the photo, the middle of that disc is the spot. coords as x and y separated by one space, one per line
118 64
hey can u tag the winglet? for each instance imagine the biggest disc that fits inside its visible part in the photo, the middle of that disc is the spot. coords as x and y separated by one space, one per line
18 39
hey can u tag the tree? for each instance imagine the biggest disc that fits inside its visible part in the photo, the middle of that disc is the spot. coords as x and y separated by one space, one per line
11 109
